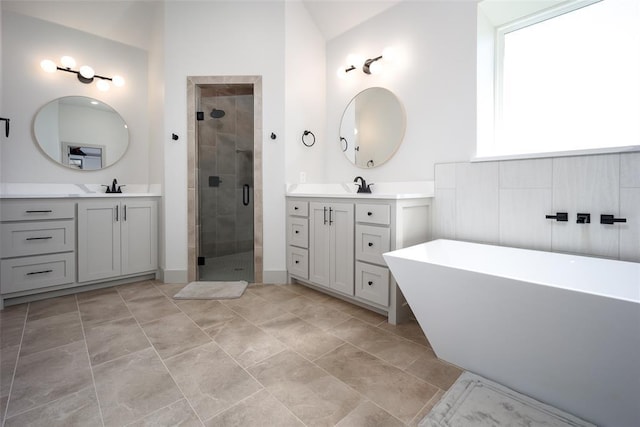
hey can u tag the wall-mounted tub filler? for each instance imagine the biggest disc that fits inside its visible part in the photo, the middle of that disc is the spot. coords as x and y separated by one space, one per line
563 329
610 219
559 216
583 218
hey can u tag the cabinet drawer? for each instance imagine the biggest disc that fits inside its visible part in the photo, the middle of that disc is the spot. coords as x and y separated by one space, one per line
372 283
23 274
298 231
34 238
23 210
298 262
297 208
371 243
373 214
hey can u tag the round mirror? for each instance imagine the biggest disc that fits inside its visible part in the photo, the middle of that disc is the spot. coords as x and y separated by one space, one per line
372 127
81 133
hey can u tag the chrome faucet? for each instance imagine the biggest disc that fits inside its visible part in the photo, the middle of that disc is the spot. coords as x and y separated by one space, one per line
362 186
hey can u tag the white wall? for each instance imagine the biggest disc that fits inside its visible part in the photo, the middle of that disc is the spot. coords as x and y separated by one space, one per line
305 95
156 116
434 78
218 39
26 88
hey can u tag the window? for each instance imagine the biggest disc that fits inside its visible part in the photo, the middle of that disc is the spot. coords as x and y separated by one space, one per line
568 79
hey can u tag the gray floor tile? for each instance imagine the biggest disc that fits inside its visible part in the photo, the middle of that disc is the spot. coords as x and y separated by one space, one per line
211 380
174 334
110 340
133 386
49 375
78 409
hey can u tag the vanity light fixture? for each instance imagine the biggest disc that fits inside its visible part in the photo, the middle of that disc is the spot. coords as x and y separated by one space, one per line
342 71
85 74
372 66
369 66
353 61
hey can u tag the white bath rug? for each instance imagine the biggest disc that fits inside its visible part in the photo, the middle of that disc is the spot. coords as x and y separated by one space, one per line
212 290
476 401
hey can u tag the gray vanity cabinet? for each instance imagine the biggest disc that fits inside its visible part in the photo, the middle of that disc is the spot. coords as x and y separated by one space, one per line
116 237
342 255
331 227
53 245
38 245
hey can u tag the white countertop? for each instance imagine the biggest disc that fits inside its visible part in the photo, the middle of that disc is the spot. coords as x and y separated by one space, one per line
61 191
379 190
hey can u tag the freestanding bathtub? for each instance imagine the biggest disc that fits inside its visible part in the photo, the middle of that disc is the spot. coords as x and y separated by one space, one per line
562 329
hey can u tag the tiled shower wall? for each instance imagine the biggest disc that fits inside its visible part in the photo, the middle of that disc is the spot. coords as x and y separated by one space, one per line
505 203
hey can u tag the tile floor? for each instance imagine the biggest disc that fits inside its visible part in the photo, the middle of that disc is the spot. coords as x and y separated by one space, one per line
282 355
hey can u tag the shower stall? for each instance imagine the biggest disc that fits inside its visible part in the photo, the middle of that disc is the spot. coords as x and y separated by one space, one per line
225 182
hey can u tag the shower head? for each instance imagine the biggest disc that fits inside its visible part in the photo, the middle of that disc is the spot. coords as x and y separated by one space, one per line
216 114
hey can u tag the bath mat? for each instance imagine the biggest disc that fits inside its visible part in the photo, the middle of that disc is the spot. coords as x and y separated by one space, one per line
476 401
212 290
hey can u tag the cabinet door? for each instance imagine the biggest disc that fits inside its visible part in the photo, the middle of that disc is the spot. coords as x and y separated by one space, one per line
98 240
341 253
319 241
139 236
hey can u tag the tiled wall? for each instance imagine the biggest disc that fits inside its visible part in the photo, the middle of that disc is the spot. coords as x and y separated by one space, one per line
506 202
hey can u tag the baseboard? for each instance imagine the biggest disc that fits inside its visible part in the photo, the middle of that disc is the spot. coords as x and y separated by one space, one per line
173 276
274 276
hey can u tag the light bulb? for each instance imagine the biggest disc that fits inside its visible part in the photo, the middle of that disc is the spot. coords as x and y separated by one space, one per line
48 65
118 81
87 72
355 60
103 85
68 62
389 53
376 67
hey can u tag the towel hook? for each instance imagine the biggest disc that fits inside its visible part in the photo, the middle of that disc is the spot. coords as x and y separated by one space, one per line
305 133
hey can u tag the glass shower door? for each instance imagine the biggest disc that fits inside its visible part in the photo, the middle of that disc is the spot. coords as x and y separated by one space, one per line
225 185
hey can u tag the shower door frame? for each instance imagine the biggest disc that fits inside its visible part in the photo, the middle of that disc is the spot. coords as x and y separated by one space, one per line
193 83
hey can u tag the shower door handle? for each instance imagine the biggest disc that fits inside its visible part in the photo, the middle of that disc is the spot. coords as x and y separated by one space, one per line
245 194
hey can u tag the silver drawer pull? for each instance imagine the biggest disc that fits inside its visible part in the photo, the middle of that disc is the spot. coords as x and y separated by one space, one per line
39 238
370 244
39 272
370 282
46 211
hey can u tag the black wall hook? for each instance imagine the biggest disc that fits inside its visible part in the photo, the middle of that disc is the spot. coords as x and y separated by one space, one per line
273 135
305 133
6 126
174 137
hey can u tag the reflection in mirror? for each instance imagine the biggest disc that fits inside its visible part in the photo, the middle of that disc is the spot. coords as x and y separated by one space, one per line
81 133
372 127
